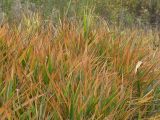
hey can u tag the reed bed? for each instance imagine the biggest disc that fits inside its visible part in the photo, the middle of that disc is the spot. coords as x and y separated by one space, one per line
78 71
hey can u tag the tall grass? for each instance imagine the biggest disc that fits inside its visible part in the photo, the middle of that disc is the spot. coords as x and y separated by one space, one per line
77 70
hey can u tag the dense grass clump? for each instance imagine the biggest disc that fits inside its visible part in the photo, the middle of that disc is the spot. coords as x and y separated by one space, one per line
78 71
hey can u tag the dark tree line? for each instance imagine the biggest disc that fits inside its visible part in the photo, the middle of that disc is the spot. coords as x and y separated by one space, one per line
128 12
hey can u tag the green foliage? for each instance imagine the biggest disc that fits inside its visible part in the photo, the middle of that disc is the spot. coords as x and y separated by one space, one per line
125 12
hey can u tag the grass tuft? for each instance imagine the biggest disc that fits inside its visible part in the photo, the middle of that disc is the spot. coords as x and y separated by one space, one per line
77 71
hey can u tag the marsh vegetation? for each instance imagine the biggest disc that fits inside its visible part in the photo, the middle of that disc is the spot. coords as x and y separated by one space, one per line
79 59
